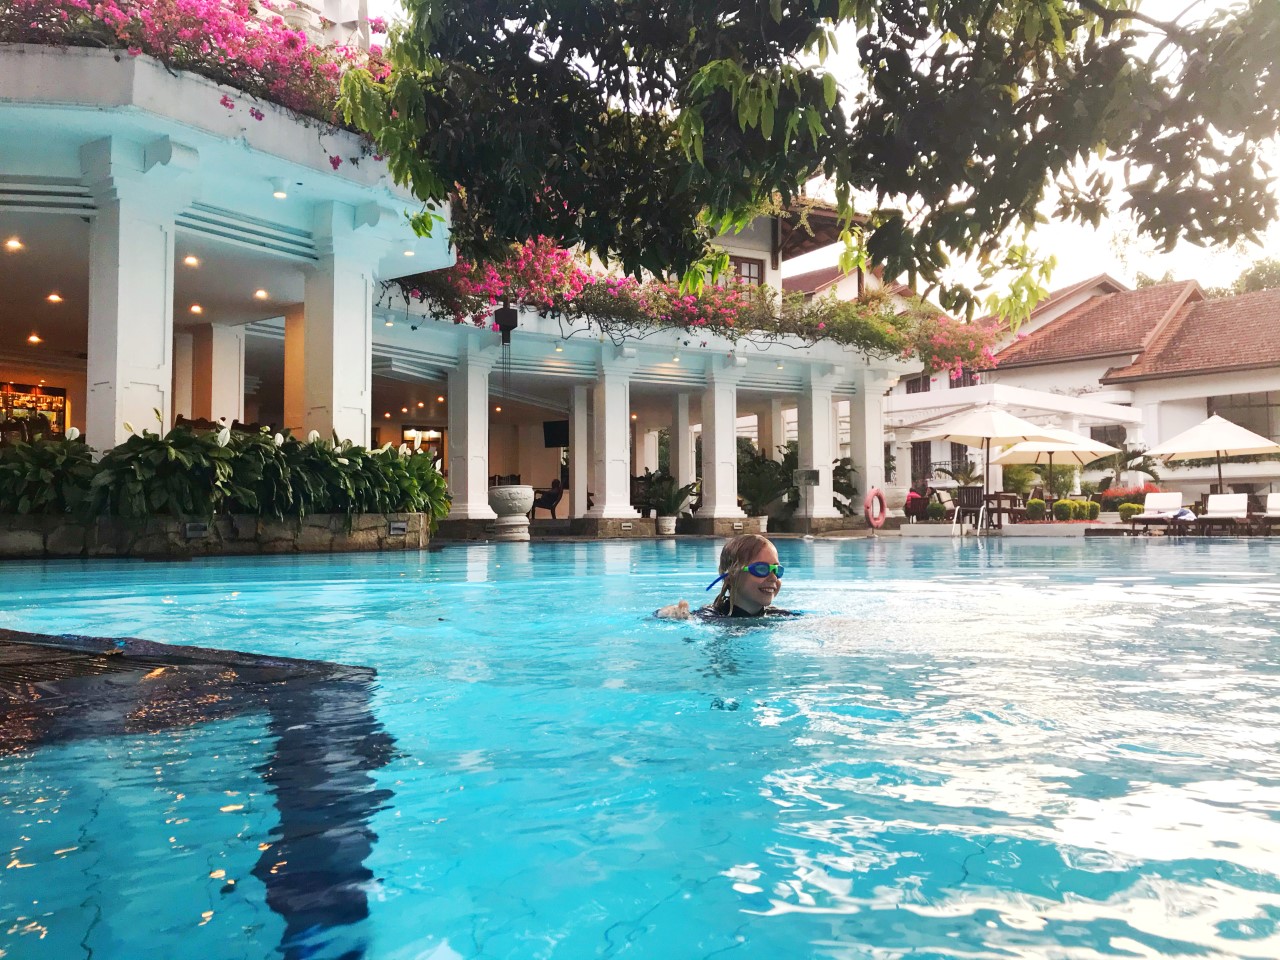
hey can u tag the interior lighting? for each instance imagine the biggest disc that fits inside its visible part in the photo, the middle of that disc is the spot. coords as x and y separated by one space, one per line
277 188
559 348
196 308
54 298
439 399
260 294
675 358
779 364
191 261
390 323
421 404
13 245
387 415
408 250
34 338
635 416
497 409
404 409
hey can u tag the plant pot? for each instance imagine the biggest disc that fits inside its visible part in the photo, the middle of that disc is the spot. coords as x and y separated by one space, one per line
666 526
512 503
764 523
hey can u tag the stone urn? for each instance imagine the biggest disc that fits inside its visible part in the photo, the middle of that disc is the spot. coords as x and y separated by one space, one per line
512 503
666 526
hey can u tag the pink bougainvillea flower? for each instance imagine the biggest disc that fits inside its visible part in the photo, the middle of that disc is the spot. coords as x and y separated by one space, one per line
335 162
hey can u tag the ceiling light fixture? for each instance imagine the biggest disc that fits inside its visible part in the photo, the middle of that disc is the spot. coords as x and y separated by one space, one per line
404 409
34 338
389 323
635 416
675 358
407 249
387 415
439 399
497 409
196 308
421 404
779 364
54 298
13 245
559 348
191 260
260 294
277 188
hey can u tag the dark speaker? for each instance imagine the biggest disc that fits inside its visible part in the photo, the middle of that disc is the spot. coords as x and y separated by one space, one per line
555 433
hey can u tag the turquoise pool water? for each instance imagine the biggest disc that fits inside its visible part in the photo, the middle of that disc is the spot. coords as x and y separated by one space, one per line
965 750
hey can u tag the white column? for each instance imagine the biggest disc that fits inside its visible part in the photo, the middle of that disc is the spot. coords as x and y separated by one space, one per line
681 452
217 379
720 443
866 432
469 435
579 452
182 346
771 431
646 448
815 445
137 191
611 412
332 392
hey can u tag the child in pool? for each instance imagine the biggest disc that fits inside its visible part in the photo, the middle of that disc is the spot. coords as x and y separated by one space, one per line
750 578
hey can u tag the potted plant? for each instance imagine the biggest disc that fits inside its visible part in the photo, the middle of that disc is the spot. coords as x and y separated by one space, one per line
669 500
761 482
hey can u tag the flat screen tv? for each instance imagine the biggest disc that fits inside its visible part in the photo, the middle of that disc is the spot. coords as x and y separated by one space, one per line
555 433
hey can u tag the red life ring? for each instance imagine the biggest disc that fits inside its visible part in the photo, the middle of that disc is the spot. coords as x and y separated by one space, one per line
875 520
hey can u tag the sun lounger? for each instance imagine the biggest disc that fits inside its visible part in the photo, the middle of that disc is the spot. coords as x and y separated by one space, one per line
1158 509
1224 510
1265 521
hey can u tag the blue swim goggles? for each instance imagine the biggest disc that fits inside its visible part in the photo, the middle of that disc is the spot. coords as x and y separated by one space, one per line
759 569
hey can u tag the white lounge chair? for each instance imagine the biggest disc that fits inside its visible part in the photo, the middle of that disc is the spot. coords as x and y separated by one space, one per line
1157 508
1224 510
1269 517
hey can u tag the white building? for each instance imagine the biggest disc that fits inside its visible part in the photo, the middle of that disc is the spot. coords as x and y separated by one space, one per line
166 252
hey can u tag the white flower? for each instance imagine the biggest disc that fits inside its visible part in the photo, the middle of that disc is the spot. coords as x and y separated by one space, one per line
128 426
224 436
385 447
403 450
313 436
278 439
344 461
417 440
73 433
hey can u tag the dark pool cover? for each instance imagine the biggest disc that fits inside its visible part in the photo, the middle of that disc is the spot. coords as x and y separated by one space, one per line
327 743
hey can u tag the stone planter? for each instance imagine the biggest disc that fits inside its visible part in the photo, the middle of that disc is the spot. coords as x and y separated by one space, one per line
512 503
764 523
666 526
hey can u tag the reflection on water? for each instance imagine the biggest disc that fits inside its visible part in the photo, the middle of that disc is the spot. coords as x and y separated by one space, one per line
963 750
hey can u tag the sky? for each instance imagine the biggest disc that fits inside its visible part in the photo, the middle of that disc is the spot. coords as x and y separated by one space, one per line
1081 252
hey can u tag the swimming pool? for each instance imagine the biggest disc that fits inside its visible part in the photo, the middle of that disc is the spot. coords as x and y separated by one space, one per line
966 750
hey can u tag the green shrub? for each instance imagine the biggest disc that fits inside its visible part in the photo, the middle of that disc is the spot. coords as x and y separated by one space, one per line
1035 509
1093 509
935 511
44 476
182 474
1128 511
1063 510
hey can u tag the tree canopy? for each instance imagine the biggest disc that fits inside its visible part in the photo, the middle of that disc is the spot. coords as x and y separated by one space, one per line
640 129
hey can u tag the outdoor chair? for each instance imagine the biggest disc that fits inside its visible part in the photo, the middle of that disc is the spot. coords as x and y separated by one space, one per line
948 502
1270 515
969 505
548 500
1157 509
1224 510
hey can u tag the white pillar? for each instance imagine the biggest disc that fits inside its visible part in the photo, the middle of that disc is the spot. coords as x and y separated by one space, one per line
681 450
815 445
182 346
333 393
579 452
469 435
217 379
720 442
137 191
866 432
611 412
771 431
646 448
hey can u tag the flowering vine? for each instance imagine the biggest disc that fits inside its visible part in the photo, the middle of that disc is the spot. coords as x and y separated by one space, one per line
546 278
247 46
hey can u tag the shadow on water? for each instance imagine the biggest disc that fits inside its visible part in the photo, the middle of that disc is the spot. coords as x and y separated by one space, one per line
327 744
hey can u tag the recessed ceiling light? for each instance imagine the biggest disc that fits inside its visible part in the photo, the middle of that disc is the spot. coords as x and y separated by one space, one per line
13 245
34 338
497 409
407 249
421 404
779 364
191 261
54 298
404 409
260 294
559 348
277 188
439 399
390 323
196 308
635 416
387 415
675 358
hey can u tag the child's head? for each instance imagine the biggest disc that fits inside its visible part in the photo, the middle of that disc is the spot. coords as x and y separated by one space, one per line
741 588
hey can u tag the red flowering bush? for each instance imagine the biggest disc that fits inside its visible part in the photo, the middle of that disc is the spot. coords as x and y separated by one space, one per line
225 41
953 345
1112 497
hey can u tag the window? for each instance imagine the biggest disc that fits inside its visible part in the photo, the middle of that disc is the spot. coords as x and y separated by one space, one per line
959 456
1113 434
967 378
748 271
1259 412
918 384
921 466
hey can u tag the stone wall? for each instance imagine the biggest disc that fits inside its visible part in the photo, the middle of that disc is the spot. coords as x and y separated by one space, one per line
163 537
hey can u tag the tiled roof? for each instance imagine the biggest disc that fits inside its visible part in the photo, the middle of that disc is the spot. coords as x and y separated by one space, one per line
813 281
1103 326
1233 333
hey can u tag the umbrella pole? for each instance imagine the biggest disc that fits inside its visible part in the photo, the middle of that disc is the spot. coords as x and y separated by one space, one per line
1220 471
1053 494
986 480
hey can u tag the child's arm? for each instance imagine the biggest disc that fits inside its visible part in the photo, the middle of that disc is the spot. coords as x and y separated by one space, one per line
675 611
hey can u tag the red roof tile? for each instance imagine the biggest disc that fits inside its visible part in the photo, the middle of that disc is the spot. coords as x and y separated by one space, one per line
1233 333
1104 326
813 281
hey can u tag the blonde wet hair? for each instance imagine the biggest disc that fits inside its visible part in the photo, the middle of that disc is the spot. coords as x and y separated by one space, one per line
735 555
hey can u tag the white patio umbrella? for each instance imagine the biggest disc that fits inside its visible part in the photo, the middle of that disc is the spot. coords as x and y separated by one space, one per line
985 426
1069 448
1215 437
